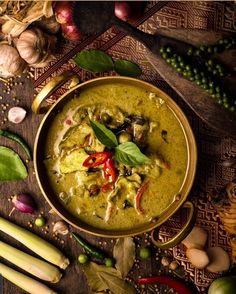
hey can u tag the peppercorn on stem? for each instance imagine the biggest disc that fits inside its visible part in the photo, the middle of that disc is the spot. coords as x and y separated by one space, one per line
33 265
24 282
34 243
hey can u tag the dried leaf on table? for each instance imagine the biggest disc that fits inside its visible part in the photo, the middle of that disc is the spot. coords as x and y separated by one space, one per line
100 277
17 18
124 253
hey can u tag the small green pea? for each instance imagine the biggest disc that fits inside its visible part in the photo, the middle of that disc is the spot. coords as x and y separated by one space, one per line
190 51
179 58
225 99
191 79
187 67
145 253
197 52
202 48
181 64
169 49
198 82
215 49
232 108
164 55
83 258
217 88
168 60
214 72
175 65
210 62
224 95
178 69
221 41
211 84
161 50
204 81
109 262
195 70
209 49
40 221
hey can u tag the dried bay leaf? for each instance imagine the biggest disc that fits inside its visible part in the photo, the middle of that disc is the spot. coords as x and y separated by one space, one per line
124 253
100 277
93 279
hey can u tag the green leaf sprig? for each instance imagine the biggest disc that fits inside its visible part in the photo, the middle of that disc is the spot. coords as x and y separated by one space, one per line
11 166
127 153
104 135
98 61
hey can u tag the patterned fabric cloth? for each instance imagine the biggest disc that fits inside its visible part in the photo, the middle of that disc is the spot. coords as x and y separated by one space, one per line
213 149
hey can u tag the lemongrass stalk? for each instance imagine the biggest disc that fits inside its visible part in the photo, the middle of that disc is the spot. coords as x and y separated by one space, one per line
39 268
34 243
24 282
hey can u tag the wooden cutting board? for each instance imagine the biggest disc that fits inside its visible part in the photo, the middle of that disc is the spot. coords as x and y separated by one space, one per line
217 117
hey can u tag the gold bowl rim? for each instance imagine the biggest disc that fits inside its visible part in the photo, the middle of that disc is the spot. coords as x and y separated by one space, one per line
190 173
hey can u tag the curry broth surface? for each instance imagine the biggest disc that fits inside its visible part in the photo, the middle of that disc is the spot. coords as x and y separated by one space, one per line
161 190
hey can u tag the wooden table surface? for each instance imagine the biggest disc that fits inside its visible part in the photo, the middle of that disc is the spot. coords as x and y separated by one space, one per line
213 149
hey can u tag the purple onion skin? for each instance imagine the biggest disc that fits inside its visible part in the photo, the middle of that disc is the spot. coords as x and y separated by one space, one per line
24 203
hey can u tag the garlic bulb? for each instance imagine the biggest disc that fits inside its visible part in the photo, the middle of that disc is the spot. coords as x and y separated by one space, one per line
60 227
35 47
11 64
16 114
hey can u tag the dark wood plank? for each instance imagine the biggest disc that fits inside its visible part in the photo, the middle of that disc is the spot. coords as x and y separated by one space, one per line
73 281
213 114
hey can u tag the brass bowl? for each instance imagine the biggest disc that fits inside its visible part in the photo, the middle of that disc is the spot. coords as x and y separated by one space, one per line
54 201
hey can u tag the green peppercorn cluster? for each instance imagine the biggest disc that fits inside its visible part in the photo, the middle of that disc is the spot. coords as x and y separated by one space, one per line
220 46
203 73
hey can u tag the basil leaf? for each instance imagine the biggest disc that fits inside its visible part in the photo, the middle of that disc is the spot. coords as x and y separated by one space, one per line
129 153
104 135
127 68
94 61
11 166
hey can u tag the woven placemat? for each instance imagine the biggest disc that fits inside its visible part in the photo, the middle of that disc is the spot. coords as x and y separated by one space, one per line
213 149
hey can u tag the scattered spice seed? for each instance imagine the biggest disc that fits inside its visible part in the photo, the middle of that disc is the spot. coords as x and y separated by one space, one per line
165 261
173 265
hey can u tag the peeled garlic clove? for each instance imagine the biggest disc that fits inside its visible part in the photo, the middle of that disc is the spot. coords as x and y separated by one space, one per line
16 114
60 227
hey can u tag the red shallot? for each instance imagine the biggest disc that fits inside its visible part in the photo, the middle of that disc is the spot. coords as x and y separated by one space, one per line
23 203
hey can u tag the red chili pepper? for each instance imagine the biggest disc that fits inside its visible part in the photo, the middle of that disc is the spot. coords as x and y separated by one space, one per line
107 187
176 284
96 159
138 197
109 170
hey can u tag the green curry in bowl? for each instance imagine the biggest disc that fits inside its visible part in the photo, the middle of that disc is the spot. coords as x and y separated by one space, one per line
116 156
